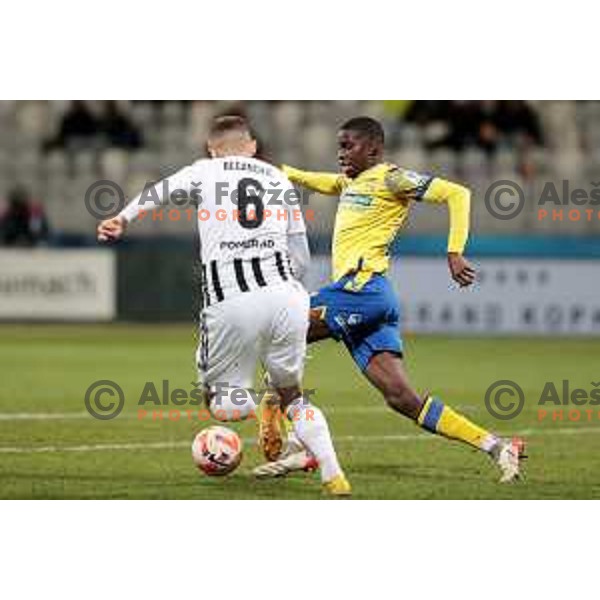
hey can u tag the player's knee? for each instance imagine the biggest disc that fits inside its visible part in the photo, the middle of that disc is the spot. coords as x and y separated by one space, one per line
232 404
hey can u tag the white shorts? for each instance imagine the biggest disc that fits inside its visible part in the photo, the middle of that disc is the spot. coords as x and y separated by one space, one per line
269 325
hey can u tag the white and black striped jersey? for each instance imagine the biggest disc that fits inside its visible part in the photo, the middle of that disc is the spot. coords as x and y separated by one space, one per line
245 210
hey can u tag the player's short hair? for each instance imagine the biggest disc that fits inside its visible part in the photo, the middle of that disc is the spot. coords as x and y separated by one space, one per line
227 124
365 126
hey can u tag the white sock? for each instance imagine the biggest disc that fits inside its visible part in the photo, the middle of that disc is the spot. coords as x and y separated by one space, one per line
489 443
293 439
311 427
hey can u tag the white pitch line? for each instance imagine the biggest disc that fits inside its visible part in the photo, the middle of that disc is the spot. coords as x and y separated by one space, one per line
94 448
532 432
24 416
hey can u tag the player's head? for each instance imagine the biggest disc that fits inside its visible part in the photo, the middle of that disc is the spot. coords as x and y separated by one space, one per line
360 145
230 136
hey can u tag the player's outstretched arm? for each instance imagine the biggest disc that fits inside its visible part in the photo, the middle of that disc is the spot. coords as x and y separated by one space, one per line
150 199
458 199
323 183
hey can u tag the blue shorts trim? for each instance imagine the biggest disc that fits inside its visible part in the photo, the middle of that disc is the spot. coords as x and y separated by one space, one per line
366 320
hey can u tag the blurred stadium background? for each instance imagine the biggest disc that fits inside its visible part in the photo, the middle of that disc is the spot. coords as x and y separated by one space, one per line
52 151
537 278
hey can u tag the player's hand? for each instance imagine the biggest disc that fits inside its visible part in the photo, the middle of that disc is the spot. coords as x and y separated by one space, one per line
111 229
461 269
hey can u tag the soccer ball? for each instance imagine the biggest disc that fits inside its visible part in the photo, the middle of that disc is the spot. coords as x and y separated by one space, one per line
217 450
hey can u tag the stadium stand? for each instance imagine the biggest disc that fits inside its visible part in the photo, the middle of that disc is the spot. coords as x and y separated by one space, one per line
548 141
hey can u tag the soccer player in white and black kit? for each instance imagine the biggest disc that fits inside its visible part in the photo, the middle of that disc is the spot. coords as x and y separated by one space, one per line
253 248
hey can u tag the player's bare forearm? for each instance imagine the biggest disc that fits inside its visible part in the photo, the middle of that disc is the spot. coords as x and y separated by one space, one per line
461 269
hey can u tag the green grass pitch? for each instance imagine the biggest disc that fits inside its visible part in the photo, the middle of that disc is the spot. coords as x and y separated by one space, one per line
49 447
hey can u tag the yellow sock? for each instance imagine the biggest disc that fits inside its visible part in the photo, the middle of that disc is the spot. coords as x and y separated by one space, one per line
438 418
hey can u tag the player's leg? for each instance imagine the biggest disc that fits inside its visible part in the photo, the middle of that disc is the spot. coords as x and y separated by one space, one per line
368 322
272 430
227 355
271 426
311 428
386 372
324 307
276 437
284 360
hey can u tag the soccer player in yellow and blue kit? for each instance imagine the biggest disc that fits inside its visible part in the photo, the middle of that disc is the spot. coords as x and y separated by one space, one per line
360 307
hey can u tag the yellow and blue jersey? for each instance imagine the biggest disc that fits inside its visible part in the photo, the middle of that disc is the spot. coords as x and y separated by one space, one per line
374 206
